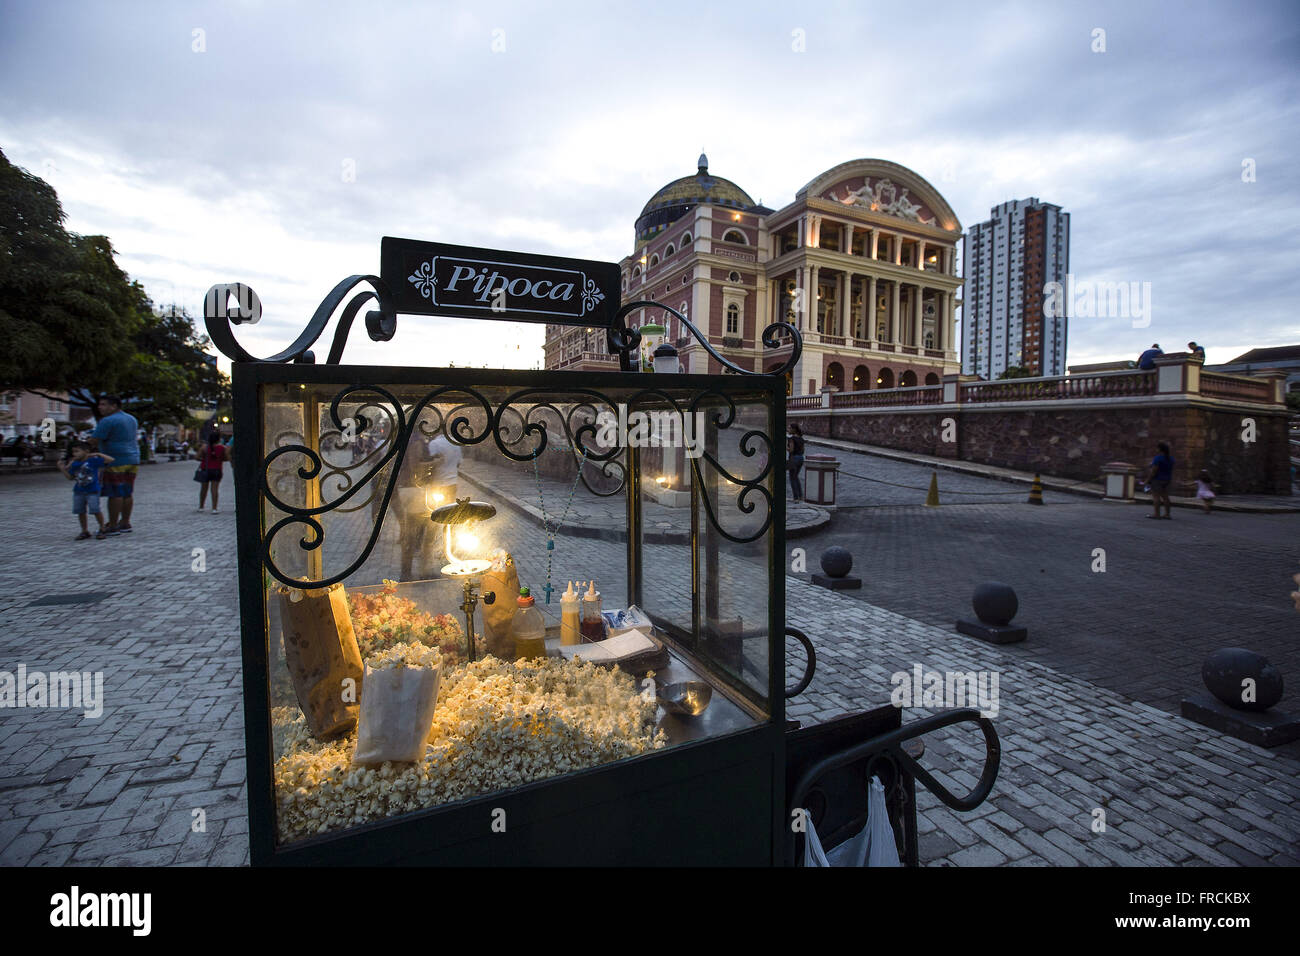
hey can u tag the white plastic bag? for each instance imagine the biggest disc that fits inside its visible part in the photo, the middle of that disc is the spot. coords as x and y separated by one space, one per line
873 846
396 713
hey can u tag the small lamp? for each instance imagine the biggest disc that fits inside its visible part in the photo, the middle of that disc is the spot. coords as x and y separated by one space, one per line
459 518
665 358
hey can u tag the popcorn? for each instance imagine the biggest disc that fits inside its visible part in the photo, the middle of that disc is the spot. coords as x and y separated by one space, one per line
384 619
405 655
497 725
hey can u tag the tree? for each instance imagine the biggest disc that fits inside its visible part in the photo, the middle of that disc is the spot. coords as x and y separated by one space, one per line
67 313
1017 371
73 322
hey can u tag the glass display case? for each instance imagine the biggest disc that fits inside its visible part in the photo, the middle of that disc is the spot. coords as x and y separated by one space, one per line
401 706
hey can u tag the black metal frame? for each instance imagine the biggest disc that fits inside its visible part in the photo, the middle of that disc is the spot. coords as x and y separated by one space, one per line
437 834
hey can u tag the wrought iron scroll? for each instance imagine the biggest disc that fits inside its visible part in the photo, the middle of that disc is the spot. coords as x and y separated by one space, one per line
748 485
508 426
381 323
624 340
459 428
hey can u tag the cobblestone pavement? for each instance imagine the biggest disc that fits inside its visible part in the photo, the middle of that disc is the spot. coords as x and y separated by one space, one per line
1171 593
123 789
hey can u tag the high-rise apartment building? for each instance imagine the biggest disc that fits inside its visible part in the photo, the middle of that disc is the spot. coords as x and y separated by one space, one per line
1007 263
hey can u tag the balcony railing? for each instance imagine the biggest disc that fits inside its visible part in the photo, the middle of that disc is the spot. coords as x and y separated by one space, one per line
1130 383
1219 385
598 357
1121 384
885 397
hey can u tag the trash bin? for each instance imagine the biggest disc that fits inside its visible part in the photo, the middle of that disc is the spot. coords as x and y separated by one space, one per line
819 479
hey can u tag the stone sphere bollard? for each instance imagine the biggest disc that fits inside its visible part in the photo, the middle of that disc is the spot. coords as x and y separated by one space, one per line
837 562
1225 670
995 603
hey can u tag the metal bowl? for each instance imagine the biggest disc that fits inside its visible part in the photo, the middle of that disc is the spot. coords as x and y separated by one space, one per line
688 698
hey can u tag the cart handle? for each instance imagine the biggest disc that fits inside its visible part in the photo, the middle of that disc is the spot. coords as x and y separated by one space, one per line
809 669
890 742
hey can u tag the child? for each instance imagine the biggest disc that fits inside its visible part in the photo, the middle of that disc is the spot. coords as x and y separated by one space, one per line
1203 490
84 471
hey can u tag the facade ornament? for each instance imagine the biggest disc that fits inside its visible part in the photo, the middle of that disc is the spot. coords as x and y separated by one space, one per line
884 197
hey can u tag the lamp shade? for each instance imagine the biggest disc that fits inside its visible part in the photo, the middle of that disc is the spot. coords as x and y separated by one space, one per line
666 358
463 511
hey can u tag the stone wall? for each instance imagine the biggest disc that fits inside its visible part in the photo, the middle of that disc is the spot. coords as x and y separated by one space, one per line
1075 441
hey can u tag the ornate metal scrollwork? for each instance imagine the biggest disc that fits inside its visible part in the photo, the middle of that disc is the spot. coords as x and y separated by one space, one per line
458 428
510 425
623 340
381 323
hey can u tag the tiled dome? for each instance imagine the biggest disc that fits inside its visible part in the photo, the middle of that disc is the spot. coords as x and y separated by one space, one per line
682 195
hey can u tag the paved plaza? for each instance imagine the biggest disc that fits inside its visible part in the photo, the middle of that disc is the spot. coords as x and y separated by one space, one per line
1085 737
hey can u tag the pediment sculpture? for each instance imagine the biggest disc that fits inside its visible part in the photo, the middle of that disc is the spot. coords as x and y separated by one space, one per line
884 197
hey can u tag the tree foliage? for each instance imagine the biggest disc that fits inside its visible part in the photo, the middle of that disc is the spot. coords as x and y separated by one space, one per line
1017 371
74 323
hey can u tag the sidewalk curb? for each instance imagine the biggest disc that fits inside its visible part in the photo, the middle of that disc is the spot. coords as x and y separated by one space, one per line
620 535
1010 476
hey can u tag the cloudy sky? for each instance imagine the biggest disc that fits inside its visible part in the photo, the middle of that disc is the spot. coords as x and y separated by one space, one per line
276 143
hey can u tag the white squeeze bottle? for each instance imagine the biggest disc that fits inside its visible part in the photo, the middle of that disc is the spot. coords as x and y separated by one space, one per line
590 624
569 617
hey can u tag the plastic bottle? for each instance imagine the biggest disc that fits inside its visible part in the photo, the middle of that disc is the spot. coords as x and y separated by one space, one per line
528 628
592 625
569 626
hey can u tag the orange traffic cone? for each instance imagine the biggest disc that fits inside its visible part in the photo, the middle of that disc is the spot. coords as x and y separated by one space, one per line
1036 491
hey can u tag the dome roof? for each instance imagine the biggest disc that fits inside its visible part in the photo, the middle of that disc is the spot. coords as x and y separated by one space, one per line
682 195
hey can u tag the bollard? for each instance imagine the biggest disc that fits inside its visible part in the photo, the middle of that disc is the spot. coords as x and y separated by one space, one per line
1036 491
995 604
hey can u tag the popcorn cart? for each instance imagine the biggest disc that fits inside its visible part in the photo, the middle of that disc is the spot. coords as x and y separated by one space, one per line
393 526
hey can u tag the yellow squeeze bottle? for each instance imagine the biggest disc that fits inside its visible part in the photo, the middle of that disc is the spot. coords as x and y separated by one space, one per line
569 633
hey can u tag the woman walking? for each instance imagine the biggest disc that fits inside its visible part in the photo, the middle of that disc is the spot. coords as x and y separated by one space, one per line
211 456
794 461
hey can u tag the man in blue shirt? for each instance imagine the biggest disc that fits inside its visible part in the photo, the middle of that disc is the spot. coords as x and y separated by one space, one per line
117 436
1162 473
1147 360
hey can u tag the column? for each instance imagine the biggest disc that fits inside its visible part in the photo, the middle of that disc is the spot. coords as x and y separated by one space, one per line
941 321
894 326
875 234
871 310
897 240
918 338
846 307
920 254
813 308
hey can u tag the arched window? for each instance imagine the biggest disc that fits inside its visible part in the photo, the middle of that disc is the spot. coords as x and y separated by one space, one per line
733 276
880 332
670 250
736 236
636 272
835 375
861 378
908 379
668 288
886 378
733 319
931 379
929 340
686 238
654 260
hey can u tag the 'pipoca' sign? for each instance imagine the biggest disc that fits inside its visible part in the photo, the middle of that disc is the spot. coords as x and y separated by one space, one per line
432 278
